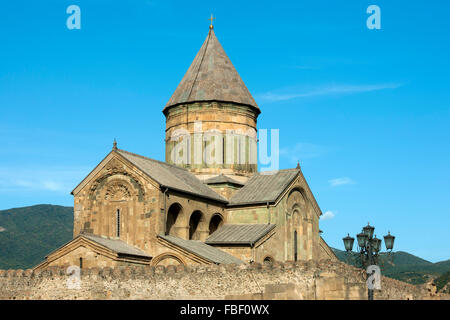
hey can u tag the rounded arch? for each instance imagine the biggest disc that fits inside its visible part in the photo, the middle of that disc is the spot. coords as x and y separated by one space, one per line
167 259
114 170
269 260
296 196
174 215
298 200
196 219
297 216
215 222
299 228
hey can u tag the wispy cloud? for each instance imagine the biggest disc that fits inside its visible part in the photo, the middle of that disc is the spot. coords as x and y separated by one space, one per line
303 150
333 89
18 183
60 180
341 181
52 185
327 215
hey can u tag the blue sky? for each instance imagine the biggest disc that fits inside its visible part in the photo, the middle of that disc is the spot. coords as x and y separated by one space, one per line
366 112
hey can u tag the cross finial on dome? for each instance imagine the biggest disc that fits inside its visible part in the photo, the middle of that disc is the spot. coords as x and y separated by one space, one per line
211 25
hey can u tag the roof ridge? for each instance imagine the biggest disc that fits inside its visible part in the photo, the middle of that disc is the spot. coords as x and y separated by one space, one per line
154 160
179 175
264 188
200 64
226 179
240 233
96 238
265 173
220 255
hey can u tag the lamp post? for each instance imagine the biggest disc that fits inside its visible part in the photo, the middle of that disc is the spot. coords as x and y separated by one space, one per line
369 248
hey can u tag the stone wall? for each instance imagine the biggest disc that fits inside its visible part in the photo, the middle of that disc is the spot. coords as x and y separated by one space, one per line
301 280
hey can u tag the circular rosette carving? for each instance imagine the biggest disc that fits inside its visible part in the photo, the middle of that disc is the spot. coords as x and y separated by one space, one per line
117 191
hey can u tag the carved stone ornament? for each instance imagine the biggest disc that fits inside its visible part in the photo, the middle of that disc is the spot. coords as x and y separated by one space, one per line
115 167
117 191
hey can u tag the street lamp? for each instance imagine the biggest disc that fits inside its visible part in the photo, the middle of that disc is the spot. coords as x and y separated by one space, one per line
368 230
348 242
362 239
369 248
376 244
389 241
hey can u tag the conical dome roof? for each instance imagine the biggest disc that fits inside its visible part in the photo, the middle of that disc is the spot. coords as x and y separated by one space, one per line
211 77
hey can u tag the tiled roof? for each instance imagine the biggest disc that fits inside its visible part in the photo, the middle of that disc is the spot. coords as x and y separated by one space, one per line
264 187
116 245
171 176
211 77
203 250
222 179
239 233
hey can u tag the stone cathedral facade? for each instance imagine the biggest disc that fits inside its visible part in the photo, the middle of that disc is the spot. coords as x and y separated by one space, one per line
134 210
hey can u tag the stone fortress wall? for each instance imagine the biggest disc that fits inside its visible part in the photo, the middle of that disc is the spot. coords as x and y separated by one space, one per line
291 280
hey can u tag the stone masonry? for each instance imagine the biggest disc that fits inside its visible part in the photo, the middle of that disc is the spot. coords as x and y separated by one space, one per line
311 280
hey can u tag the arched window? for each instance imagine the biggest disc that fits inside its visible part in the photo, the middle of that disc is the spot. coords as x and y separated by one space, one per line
118 223
268 260
81 263
193 223
295 245
215 223
172 215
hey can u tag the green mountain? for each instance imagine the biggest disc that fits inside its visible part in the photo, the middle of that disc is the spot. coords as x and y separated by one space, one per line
403 266
28 234
442 282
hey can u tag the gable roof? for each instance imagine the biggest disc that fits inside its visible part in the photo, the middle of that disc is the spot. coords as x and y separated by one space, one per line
171 176
211 77
264 187
116 245
327 250
201 249
222 179
239 233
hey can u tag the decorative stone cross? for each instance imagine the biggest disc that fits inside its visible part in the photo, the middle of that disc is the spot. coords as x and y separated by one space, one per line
212 18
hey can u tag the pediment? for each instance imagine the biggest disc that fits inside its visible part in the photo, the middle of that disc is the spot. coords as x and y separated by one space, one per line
300 184
114 164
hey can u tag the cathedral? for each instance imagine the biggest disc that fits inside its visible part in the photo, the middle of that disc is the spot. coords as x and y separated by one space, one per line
207 203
